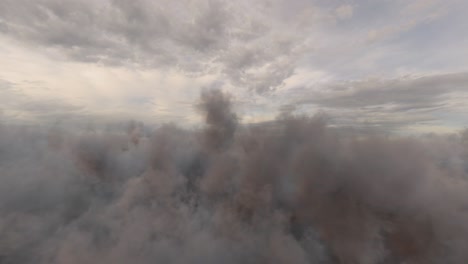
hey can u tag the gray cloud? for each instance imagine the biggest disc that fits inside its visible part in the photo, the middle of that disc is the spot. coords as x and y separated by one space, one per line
236 39
293 191
409 93
396 102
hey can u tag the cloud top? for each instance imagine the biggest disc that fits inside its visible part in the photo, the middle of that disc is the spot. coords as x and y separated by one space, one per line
292 191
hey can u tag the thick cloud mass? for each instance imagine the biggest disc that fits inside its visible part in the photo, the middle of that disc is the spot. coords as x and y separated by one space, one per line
292 191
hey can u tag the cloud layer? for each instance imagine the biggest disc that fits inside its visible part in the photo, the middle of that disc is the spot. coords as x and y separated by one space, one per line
148 59
241 40
292 191
382 102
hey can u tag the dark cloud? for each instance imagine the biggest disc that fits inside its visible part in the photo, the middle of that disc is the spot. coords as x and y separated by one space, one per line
292 191
220 119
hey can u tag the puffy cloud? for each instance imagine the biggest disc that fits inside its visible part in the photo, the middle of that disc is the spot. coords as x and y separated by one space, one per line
292 191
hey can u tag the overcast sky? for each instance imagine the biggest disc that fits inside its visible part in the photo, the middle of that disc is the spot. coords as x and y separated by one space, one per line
396 64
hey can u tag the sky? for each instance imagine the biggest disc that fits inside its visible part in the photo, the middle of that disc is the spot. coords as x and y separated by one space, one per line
393 65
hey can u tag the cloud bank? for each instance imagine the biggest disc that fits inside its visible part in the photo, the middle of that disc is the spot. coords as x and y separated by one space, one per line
389 103
292 191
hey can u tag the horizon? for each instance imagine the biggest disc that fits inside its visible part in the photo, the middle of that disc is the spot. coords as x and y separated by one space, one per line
396 65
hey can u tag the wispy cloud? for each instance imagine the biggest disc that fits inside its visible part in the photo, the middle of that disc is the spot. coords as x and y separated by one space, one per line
145 56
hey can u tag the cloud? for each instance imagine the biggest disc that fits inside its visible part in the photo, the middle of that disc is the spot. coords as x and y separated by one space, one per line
292 191
151 58
344 11
198 37
391 101
17 105
410 91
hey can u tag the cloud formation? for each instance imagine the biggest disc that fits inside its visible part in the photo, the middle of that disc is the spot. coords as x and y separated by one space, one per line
386 101
122 58
242 40
293 191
